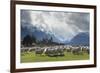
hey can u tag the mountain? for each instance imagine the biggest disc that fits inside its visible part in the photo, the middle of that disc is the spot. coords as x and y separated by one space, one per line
41 33
80 39
24 31
37 33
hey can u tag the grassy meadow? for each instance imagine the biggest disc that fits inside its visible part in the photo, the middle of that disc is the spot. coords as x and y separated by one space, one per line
32 57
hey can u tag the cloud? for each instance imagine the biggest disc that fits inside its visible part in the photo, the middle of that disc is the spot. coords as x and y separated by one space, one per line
65 25
25 16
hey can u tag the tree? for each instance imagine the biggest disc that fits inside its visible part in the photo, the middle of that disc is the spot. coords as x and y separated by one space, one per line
34 39
51 40
28 40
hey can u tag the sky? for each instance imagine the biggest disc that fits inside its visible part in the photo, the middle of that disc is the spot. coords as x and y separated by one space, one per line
64 25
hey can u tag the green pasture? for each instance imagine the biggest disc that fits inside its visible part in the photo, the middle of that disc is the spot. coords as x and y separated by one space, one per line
32 57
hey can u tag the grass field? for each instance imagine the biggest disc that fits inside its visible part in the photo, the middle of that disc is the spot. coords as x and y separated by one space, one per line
32 57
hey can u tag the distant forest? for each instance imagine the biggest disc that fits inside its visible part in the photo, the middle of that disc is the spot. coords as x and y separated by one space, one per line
32 41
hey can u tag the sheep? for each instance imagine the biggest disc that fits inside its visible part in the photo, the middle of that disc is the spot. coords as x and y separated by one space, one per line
54 52
39 51
77 51
85 49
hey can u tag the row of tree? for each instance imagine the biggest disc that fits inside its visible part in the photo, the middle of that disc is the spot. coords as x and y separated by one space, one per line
28 40
31 40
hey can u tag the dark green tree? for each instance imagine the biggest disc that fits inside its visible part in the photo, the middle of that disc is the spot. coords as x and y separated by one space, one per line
51 40
34 39
28 40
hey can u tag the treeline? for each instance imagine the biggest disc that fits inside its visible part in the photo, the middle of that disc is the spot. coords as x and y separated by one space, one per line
32 41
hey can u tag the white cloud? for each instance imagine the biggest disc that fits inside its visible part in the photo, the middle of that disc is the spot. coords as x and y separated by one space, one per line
64 25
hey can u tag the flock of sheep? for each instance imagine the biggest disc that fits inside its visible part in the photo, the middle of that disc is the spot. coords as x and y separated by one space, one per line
54 51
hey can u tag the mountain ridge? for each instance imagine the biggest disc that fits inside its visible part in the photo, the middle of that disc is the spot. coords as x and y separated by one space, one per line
80 38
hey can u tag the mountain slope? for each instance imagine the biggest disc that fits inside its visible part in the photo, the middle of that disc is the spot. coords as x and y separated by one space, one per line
37 33
80 39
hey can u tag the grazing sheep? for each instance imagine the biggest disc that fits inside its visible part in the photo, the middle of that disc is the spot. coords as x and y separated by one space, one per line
69 49
31 50
77 51
88 51
24 50
39 51
54 52
85 49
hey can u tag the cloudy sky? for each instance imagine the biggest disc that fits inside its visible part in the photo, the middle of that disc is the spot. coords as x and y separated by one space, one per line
65 25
